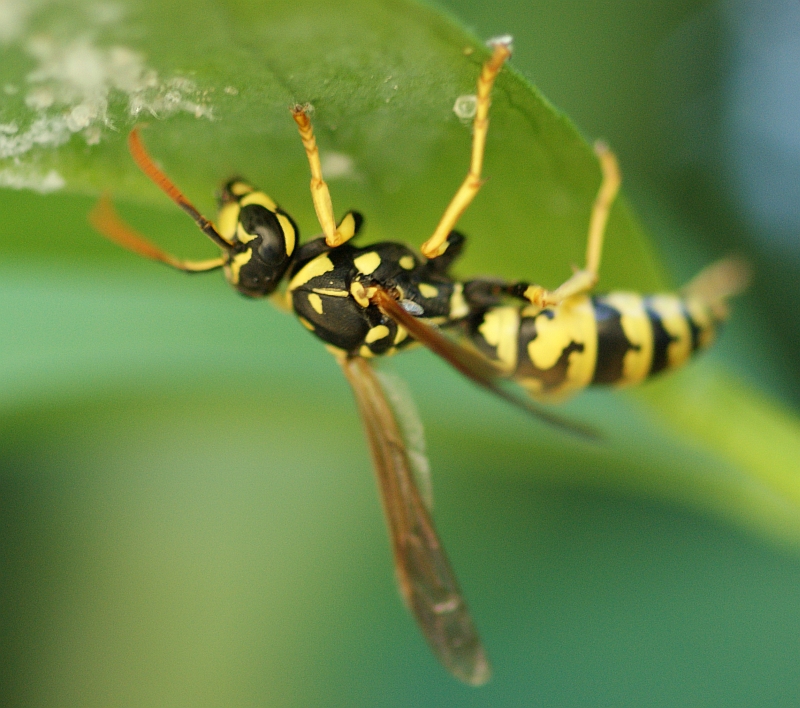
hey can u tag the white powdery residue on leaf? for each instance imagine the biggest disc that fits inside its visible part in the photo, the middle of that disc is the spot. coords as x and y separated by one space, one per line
20 179
106 13
74 85
13 18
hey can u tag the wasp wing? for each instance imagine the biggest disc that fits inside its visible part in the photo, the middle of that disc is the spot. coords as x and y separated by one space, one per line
473 365
427 583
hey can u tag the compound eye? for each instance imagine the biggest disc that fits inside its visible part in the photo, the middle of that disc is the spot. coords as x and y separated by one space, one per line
258 221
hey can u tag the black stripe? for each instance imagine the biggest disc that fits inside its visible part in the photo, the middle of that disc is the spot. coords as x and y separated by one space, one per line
612 343
661 341
694 328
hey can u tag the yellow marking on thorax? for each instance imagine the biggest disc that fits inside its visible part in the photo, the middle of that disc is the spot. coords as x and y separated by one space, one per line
401 334
639 332
258 198
316 302
500 329
235 265
668 308
359 293
288 233
376 333
701 315
458 305
227 218
572 321
407 262
306 323
367 263
331 292
365 352
428 291
320 265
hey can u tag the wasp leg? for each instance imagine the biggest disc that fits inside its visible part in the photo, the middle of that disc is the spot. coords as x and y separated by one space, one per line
146 165
582 281
436 244
320 195
105 219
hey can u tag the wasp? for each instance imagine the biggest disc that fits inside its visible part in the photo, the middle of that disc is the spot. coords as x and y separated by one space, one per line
367 302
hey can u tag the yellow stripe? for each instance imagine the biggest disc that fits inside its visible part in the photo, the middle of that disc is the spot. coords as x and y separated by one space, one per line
258 198
572 321
331 292
636 325
236 263
669 309
242 235
321 264
316 302
288 232
701 316
227 218
239 189
500 329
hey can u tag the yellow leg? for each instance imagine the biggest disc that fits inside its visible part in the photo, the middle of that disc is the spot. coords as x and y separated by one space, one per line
320 194
436 244
582 281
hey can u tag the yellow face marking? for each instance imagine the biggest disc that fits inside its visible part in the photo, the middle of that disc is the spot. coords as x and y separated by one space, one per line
401 334
407 262
668 308
242 235
500 329
331 292
320 265
288 233
636 325
306 323
367 263
365 352
359 293
236 263
316 302
240 188
572 321
227 218
428 291
258 198
376 333
458 305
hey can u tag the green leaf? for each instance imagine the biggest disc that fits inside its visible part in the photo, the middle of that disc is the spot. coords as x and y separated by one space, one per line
92 337
216 94
383 78
215 82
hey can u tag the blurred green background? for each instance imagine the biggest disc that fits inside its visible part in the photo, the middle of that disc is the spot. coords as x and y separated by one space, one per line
188 512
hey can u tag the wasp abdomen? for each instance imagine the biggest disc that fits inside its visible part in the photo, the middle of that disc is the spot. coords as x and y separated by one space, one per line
620 339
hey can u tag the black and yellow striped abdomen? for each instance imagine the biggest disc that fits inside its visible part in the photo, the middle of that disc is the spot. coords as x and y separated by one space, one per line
620 338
